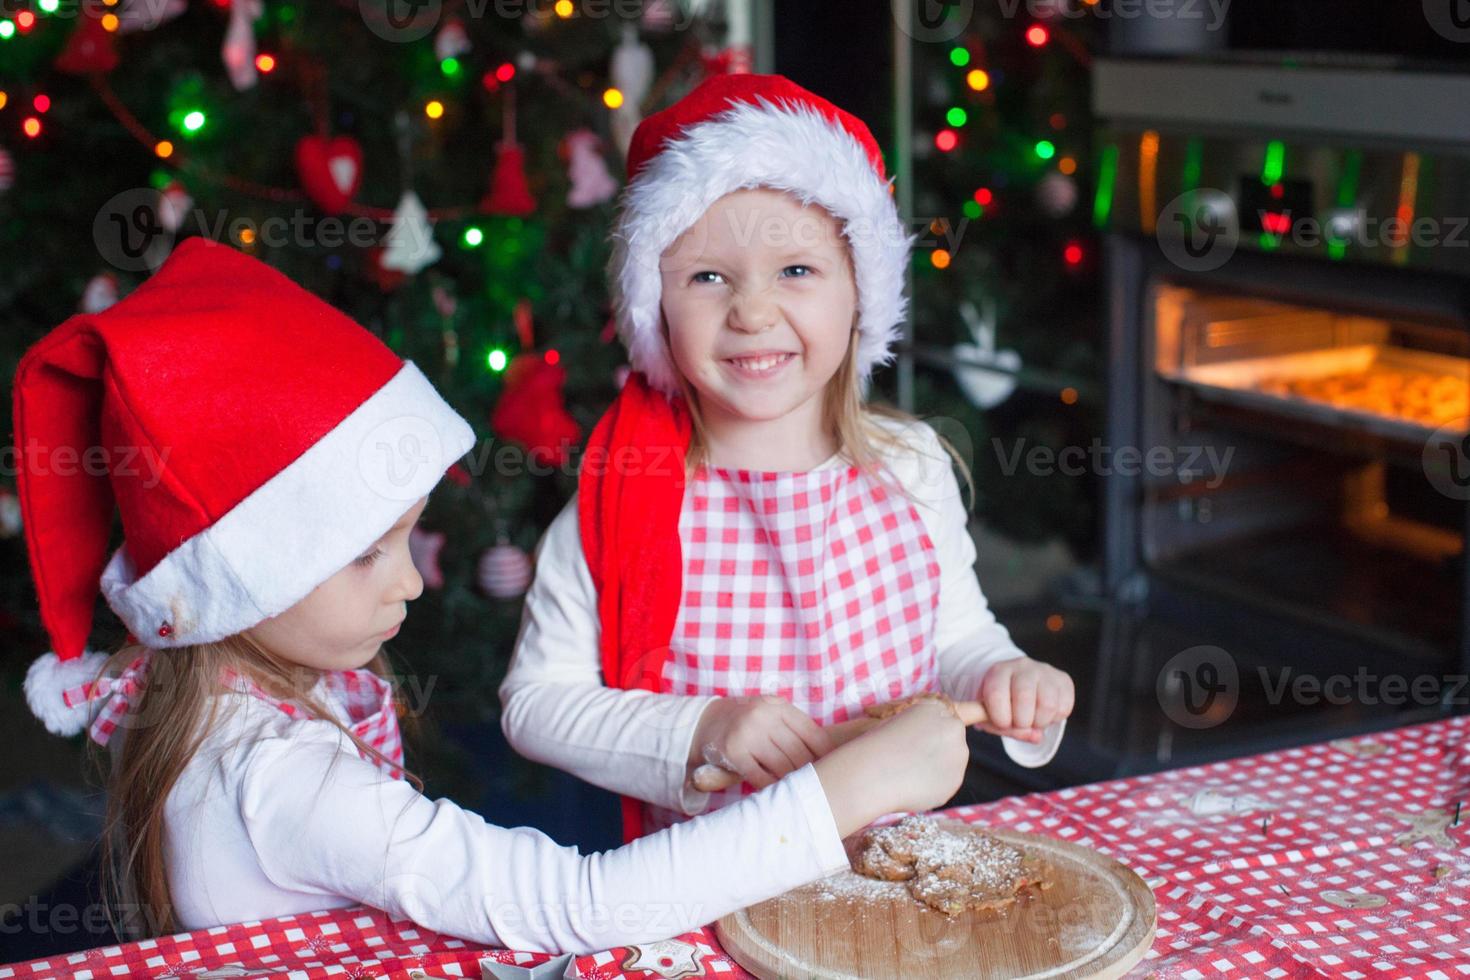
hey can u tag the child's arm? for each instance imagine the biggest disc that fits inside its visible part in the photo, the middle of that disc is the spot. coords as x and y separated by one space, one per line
556 708
323 821
970 642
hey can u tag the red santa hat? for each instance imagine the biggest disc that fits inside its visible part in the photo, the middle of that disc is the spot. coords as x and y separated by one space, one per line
740 131
254 440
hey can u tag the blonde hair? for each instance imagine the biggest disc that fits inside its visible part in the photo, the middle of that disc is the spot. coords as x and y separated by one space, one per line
165 727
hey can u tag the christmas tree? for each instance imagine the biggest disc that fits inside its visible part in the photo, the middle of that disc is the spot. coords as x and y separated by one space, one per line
1006 281
443 172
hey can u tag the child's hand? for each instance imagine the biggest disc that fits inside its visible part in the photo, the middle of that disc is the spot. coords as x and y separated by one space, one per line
913 761
1023 696
761 738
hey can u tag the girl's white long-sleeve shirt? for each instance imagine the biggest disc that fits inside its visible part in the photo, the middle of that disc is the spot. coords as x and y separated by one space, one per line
275 816
557 710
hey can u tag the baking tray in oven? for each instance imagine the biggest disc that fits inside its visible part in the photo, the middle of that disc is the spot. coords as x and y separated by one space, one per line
1244 383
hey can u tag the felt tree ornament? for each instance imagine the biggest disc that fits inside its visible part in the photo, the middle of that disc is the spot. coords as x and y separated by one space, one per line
632 71
238 50
88 50
509 193
409 246
330 170
587 171
532 409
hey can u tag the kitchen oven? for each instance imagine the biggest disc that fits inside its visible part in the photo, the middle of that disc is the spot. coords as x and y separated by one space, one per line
1287 268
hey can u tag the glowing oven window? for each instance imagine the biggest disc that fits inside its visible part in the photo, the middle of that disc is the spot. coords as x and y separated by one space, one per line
1395 377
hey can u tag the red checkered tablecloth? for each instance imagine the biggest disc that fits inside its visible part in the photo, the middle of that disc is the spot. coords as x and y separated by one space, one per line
1341 859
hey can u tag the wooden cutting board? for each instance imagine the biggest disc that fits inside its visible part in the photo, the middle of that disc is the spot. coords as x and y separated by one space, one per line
1096 921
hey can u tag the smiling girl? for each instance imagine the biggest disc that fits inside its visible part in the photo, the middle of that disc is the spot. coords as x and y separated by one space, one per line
806 555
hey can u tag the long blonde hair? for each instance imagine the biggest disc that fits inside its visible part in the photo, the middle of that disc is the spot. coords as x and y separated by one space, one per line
165 727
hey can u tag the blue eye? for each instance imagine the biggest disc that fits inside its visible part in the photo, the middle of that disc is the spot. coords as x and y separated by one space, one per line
369 558
697 277
805 269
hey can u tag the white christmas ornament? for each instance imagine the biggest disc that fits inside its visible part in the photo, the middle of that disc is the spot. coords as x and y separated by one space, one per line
100 293
1057 194
592 184
9 514
631 69
451 41
504 571
174 203
409 246
238 52
989 376
445 302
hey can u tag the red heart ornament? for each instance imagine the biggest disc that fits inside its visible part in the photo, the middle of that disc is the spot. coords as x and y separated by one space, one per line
330 170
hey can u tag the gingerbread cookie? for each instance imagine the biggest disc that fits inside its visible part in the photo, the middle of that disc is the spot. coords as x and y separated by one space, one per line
950 872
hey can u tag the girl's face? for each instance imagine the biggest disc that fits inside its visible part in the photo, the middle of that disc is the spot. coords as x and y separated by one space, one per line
342 623
760 304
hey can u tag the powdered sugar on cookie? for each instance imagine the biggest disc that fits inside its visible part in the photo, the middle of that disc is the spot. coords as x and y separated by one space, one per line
946 870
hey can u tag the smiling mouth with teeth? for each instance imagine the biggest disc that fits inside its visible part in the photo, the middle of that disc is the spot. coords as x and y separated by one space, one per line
760 363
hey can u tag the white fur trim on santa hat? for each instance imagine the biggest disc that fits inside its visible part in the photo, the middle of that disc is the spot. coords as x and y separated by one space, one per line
783 146
299 528
48 677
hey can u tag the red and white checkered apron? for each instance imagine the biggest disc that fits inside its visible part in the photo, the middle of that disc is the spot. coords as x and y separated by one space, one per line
818 587
362 700
364 703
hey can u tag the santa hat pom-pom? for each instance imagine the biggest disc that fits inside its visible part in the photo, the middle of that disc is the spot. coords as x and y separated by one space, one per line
48 677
